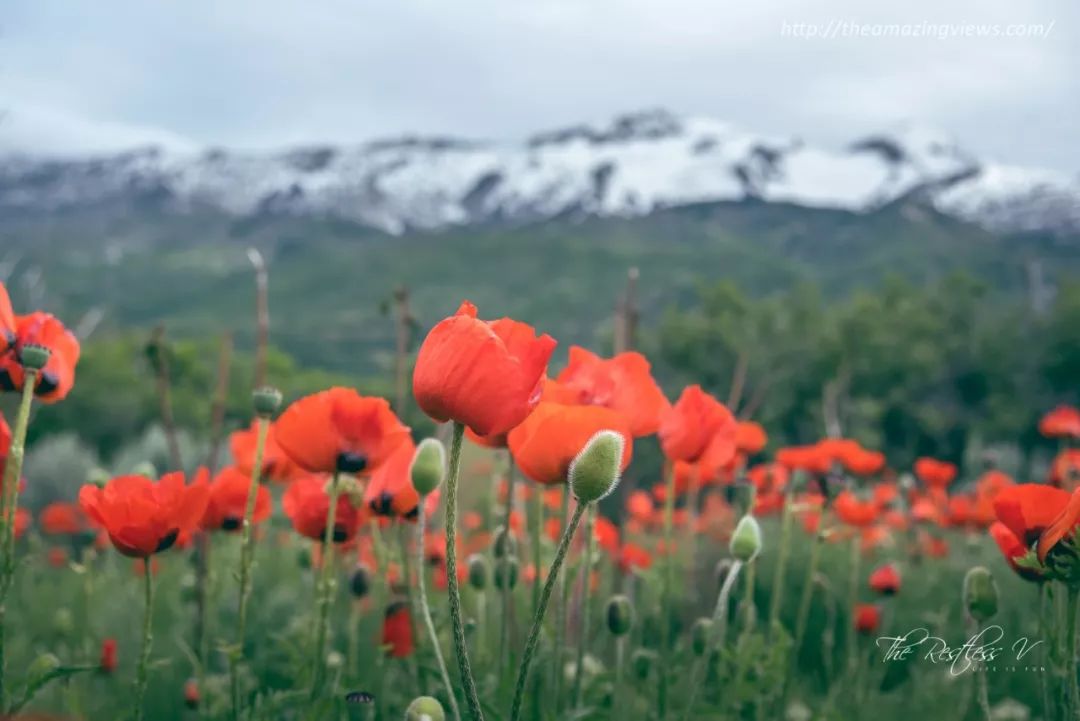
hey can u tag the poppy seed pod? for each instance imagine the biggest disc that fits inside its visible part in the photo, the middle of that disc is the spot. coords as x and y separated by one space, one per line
506 572
620 615
34 357
40 669
266 401
504 544
699 635
360 581
746 540
428 466
479 571
642 662
425 708
980 594
594 473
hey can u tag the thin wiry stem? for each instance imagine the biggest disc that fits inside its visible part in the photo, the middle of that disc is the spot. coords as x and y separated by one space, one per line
717 635
325 593
141 676
586 577
425 611
538 619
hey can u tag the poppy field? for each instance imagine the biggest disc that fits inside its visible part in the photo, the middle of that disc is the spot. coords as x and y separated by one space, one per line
506 558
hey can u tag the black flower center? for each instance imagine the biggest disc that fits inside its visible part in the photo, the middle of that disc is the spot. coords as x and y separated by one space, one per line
350 462
167 540
231 523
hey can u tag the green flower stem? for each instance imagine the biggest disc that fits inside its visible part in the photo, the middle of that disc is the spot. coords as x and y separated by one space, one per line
507 592
749 610
536 529
586 577
616 689
665 595
247 547
780 572
805 599
1071 610
141 675
716 637
1044 612
9 504
324 593
853 596
460 648
981 689
406 569
425 611
538 620
560 612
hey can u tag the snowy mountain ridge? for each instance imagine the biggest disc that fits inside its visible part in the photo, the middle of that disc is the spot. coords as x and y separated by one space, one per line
631 166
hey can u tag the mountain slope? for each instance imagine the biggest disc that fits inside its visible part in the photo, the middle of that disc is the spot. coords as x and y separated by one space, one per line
635 165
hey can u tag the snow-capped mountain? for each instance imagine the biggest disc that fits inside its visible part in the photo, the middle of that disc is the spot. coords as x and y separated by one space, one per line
636 164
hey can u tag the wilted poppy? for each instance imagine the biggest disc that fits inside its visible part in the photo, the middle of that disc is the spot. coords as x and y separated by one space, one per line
935 473
143 517
867 618
853 511
696 427
306 502
885 580
1062 422
623 383
228 501
276 464
397 635
56 379
553 435
487 375
339 430
62 519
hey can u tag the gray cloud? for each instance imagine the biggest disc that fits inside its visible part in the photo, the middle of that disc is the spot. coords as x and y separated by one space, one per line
93 76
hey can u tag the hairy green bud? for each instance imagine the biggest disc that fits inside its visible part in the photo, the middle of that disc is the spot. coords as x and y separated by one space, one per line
425 708
746 540
594 473
428 466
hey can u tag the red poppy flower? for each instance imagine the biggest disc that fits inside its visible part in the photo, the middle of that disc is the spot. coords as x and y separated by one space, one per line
885 580
768 503
108 662
935 473
397 635
1065 470
1013 549
390 491
1062 422
143 517
276 464
853 511
1061 527
228 501
56 379
810 459
867 618
5 439
961 510
864 463
993 482
553 435
62 519
750 437
339 430
495 440
698 427
623 383
633 556
767 477
306 502
1028 509
487 375
606 534
641 508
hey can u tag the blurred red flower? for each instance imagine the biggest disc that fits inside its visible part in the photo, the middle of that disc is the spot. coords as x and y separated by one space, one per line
306 502
553 435
853 511
1062 422
633 556
108 661
867 618
390 491
228 501
935 473
144 517
885 579
56 379
62 519
276 464
698 428
397 635
487 375
623 383
750 437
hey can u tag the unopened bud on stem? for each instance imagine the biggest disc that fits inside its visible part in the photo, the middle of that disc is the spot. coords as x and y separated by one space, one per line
594 473
428 466
746 540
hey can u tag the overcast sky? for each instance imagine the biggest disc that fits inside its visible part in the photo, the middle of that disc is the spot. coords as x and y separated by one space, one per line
79 75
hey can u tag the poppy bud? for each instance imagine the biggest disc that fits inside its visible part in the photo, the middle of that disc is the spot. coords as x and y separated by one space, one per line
620 615
504 544
40 669
425 708
98 477
266 401
108 655
746 540
478 571
63 621
34 357
191 694
885 580
980 594
594 473
699 635
360 581
506 572
428 466
642 662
